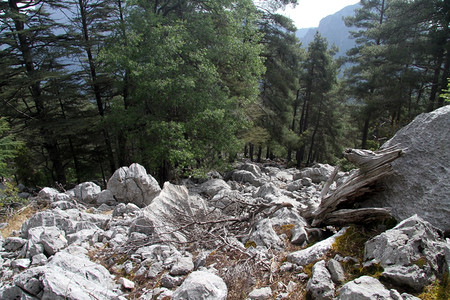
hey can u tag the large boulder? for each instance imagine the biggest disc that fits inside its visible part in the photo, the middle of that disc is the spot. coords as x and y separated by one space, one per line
201 285
65 276
173 207
412 253
133 185
87 192
420 183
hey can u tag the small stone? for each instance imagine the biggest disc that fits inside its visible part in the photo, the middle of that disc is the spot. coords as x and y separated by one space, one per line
320 285
336 271
260 294
22 263
183 266
171 282
126 284
39 259
13 243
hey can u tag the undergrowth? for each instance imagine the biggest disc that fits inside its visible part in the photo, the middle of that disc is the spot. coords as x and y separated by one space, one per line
438 290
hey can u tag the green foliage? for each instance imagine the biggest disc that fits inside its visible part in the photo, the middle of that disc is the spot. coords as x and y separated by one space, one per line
446 93
9 199
438 290
8 148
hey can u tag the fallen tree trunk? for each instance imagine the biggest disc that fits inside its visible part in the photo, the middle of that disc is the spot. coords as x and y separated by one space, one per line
357 216
373 166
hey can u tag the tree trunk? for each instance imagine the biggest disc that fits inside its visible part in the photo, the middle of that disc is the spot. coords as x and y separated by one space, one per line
258 158
365 133
251 146
432 103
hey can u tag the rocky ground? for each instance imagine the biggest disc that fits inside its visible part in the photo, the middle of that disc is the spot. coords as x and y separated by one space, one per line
243 235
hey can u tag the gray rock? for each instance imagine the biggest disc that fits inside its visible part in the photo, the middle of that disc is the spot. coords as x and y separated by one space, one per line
213 186
63 205
411 241
48 218
315 252
246 176
406 296
252 168
133 184
67 276
87 192
200 260
154 270
126 283
264 235
39 260
15 292
201 285
364 288
299 235
261 294
106 197
294 186
122 209
22 263
320 286
182 266
420 183
410 276
171 282
53 240
336 271
13 243
306 181
318 173
172 208
47 194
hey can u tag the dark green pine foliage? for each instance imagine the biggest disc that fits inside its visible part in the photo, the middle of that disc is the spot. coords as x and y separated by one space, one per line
191 67
316 107
277 101
30 68
399 65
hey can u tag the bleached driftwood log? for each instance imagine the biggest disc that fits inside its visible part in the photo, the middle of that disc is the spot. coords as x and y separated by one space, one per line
372 167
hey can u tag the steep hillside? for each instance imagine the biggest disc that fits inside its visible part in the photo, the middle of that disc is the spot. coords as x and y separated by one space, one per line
333 28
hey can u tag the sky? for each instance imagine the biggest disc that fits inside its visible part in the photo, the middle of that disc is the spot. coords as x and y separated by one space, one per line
308 13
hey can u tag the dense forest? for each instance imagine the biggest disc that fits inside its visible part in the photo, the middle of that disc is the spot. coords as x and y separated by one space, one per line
183 87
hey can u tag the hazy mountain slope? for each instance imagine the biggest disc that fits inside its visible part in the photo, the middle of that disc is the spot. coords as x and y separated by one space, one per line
333 28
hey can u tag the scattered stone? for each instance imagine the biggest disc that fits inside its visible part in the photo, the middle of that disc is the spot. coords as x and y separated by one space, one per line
133 184
53 240
13 243
261 294
106 197
47 194
412 241
264 235
39 260
22 263
320 286
318 173
123 209
87 192
183 266
246 176
315 252
201 285
410 276
171 282
336 271
213 186
126 283
364 288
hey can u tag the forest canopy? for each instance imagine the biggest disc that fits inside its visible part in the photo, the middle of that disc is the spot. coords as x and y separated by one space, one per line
183 87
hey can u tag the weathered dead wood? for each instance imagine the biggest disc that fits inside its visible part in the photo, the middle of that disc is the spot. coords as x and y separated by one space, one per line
373 167
367 160
327 185
356 216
